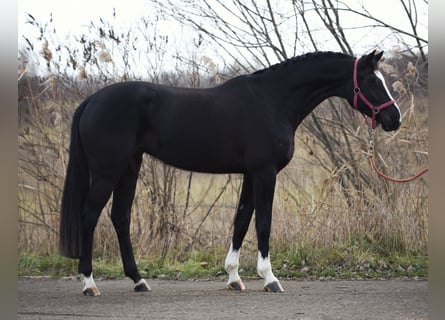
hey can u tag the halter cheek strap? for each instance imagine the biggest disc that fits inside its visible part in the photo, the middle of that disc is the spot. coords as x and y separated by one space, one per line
358 94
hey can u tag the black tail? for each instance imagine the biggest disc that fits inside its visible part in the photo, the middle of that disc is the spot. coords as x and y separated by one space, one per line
74 192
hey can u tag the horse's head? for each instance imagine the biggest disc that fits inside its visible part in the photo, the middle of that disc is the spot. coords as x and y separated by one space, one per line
371 95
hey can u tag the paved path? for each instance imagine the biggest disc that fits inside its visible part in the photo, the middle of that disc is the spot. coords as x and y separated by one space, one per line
341 299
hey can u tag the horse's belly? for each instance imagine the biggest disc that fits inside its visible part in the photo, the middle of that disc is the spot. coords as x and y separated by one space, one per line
201 160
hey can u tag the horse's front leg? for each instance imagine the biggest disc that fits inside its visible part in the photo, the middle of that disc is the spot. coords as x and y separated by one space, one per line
264 188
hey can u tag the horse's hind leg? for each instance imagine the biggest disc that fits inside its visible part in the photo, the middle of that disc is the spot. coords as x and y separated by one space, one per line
123 195
98 195
241 224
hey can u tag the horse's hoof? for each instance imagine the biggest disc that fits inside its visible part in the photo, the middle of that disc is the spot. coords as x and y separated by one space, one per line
91 292
273 287
142 286
236 285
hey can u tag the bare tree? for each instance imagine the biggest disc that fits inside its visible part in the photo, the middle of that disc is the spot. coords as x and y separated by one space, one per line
256 34
250 32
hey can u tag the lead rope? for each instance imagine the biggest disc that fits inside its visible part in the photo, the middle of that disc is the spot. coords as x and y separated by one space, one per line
371 153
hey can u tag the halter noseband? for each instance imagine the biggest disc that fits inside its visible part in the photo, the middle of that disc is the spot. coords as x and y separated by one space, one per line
358 93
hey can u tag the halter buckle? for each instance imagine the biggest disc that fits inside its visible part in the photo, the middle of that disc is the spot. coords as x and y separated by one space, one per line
376 110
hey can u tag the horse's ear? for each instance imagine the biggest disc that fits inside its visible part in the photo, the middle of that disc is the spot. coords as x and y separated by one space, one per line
371 60
372 54
377 58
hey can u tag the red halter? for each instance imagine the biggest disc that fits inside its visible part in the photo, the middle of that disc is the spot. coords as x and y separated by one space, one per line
358 93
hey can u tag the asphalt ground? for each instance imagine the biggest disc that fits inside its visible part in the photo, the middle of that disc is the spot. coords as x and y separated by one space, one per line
43 298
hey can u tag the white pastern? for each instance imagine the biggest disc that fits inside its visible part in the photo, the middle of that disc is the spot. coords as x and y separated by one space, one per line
264 269
231 265
380 76
142 285
89 286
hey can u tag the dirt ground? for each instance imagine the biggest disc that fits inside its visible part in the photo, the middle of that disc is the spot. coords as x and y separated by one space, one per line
208 299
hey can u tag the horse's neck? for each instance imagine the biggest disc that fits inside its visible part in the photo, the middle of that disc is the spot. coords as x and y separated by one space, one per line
307 86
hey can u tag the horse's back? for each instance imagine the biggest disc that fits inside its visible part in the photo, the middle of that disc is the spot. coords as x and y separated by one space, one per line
217 130
187 128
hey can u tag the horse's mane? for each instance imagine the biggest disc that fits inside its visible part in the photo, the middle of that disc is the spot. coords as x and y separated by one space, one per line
300 59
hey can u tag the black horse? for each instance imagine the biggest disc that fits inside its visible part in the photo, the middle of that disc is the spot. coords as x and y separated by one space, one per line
246 126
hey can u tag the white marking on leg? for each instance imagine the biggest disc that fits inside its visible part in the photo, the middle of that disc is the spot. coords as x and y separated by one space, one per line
231 265
141 284
264 269
89 286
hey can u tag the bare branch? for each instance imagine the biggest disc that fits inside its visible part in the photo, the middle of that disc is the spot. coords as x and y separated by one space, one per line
411 12
277 33
367 15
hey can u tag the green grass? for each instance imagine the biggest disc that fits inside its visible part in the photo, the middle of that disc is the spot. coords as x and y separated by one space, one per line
352 260
348 262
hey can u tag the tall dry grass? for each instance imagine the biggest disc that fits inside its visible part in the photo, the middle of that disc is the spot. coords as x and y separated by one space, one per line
327 196
176 210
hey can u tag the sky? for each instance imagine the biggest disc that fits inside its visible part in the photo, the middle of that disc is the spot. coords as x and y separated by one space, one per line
71 18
